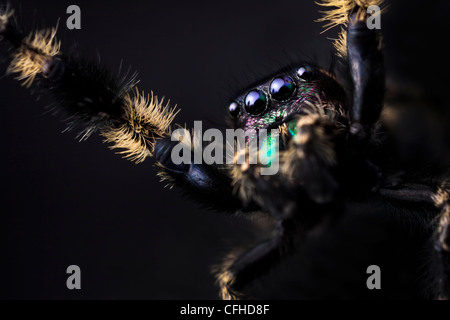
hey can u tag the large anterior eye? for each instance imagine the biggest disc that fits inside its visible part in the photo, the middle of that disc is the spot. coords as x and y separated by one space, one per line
282 88
255 102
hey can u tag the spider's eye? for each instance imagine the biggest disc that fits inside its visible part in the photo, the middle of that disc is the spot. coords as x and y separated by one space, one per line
234 109
305 73
255 102
282 88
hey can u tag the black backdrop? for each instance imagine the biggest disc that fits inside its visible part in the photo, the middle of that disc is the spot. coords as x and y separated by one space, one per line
64 202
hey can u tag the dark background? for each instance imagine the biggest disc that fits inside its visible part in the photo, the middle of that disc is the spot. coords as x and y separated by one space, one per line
64 202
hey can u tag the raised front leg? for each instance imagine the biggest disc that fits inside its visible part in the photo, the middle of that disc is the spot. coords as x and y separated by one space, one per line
365 58
95 99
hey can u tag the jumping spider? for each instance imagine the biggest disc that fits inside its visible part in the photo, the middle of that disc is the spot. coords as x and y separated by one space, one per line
343 192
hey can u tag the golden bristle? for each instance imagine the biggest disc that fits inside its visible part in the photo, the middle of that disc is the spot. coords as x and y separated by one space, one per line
31 56
164 176
146 119
243 175
339 17
225 279
340 44
5 15
442 201
442 197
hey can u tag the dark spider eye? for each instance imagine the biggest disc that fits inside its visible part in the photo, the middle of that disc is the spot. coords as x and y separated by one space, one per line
234 109
305 73
282 88
255 102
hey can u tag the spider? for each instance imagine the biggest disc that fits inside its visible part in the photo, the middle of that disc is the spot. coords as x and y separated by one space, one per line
347 190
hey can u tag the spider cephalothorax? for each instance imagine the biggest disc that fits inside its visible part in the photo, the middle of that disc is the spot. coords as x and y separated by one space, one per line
284 95
343 191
